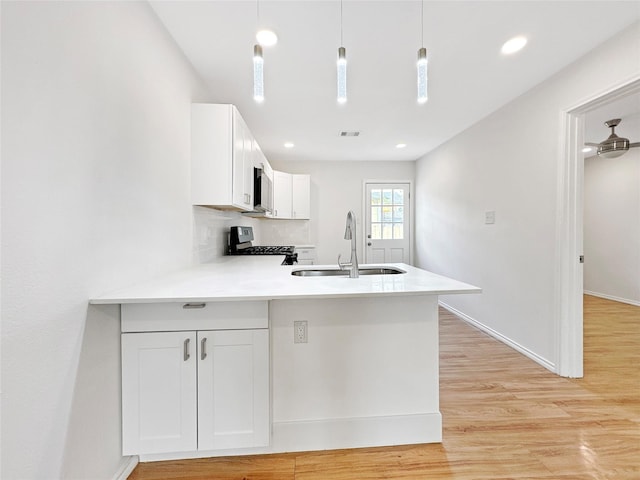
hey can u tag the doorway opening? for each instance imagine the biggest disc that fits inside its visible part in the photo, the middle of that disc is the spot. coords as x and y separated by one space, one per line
569 300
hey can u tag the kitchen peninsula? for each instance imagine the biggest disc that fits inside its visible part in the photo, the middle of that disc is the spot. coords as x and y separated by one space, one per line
242 357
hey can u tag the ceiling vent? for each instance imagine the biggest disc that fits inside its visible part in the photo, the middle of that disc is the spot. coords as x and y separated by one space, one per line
349 134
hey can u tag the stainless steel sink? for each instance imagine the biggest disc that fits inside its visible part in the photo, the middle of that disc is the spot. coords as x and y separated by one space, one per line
334 272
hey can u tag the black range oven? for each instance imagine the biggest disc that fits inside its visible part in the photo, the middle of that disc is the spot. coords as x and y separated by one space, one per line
240 239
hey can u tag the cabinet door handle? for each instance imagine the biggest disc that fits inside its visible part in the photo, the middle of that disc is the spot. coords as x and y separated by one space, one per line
187 306
186 349
203 346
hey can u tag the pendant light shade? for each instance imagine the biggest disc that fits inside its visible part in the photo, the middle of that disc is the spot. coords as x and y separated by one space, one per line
422 75
258 74
342 75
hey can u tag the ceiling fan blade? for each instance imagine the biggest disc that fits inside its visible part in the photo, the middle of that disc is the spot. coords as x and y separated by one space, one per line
634 144
591 144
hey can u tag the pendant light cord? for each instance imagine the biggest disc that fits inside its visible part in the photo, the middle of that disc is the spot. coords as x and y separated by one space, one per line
341 41
258 12
422 22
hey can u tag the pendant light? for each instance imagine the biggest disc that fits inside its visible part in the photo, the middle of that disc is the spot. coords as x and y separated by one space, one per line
422 63
258 74
342 66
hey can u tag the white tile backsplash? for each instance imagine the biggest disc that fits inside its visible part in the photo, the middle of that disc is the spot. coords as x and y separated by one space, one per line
211 232
284 232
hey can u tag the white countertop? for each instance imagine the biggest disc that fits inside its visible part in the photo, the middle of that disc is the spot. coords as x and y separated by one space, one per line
263 278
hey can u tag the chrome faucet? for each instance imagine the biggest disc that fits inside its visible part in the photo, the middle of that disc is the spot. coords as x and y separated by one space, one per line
350 234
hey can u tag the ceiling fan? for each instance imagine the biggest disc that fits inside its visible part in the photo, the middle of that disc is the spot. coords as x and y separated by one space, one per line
614 146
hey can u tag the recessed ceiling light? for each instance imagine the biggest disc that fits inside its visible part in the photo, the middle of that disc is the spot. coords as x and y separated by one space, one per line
586 149
289 145
266 38
401 145
514 45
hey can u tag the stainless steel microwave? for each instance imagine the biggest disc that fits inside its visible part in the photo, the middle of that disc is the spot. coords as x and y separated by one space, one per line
262 191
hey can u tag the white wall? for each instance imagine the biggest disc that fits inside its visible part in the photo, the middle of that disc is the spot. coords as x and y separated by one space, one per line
508 163
612 226
336 188
95 195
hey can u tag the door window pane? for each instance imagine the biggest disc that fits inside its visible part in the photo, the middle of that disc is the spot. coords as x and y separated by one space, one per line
398 214
376 231
376 214
387 214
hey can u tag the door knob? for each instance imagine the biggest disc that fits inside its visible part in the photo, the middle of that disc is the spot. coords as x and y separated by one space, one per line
369 244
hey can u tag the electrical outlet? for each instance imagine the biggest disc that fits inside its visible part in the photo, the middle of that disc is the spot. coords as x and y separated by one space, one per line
300 331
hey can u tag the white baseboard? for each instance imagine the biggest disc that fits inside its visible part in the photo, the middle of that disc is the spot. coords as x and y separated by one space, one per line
358 432
611 297
126 467
498 336
333 434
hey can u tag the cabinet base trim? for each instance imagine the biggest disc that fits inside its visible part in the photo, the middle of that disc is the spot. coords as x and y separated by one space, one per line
334 434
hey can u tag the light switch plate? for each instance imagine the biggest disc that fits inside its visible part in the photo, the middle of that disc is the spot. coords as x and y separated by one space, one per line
490 217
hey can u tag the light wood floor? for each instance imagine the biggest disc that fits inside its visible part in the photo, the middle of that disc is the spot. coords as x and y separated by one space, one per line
505 417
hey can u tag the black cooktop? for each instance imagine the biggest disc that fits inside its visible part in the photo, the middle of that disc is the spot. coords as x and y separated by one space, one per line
263 250
240 239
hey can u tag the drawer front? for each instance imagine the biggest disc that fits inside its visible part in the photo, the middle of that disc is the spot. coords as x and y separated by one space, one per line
169 317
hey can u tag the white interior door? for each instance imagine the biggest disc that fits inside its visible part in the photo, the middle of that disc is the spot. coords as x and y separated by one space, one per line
387 223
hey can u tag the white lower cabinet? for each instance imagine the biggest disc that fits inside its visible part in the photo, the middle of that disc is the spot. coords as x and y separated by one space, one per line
159 392
233 389
184 391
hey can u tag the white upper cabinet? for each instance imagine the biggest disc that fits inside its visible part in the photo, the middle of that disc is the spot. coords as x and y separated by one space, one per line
300 196
222 158
291 196
282 195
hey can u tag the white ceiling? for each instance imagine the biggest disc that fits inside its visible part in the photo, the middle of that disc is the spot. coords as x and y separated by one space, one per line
468 77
